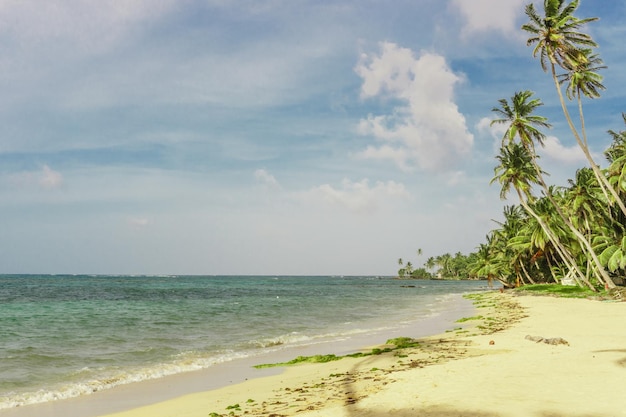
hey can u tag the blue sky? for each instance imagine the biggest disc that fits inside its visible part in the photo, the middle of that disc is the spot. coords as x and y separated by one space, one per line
266 137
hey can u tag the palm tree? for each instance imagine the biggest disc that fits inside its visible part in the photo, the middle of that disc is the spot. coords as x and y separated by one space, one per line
523 124
517 170
585 205
557 40
401 271
486 264
430 263
616 155
517 247
444 264
582 77
520 119
554 34
408 269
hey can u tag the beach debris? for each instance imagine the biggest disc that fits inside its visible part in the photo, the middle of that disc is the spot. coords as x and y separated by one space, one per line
492 342
548 340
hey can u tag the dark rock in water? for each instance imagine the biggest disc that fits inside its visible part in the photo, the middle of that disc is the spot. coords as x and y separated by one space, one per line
407 286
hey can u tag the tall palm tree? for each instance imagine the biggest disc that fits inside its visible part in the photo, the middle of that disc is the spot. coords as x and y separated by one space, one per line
583 80
555 33
558 42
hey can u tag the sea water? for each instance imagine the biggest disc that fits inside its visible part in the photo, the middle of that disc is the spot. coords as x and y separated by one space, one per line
64 336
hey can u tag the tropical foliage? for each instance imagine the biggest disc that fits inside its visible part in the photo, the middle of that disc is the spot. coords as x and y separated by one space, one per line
573 234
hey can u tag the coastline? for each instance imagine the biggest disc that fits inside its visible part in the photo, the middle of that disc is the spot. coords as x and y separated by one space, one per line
459 373
145 393
486 368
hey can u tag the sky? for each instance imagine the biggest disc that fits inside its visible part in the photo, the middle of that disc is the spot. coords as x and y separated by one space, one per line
268 137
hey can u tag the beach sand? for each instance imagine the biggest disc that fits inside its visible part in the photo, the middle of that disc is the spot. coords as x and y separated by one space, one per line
485 367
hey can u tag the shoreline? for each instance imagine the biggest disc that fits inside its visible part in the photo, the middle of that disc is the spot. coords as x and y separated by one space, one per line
485 370
485 367
145 393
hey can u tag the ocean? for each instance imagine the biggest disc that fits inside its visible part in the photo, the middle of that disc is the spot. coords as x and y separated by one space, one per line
64 336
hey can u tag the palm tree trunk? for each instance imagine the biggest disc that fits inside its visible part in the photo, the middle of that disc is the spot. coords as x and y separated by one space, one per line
602 180
526 272
581 238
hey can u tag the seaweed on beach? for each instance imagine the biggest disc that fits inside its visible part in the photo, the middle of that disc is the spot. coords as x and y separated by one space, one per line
397 343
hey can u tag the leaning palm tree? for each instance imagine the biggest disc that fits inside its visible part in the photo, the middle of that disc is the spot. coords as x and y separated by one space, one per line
557 41
523 124
616 155
517 171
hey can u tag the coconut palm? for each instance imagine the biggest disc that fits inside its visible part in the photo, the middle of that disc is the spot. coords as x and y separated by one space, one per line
558 42
517 171
523 124
430 263
555 34
611 243
616 155
487 264
582 78
519 117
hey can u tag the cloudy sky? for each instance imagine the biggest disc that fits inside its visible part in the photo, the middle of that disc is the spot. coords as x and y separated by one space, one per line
266 137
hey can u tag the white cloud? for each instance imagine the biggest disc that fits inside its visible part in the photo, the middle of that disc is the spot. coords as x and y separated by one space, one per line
496 131
489 15
484 125
357 196
50 178
265 178
552 149
557 151
426 130
46 178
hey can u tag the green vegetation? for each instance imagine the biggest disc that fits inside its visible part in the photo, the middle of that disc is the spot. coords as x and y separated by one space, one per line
444 266
397 343
464 319
574 234
403 342
566 291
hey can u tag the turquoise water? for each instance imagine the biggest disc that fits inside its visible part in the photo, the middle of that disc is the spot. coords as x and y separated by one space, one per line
65 336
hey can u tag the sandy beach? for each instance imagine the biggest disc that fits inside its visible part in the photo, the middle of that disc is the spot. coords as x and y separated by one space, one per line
519 356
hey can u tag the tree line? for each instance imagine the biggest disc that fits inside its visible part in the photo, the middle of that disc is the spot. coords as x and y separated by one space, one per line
444 266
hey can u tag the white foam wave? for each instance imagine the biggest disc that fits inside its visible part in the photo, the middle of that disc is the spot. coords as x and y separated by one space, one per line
185 362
